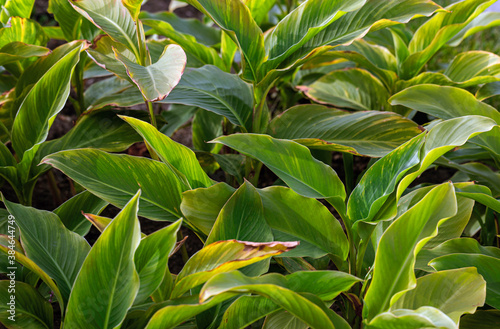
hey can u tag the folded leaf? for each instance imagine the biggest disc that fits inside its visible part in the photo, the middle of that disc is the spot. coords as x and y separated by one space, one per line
424 317
108 281
16 51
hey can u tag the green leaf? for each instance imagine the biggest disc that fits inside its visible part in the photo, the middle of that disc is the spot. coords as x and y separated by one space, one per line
16 51
272 286
204 54
283 319
224 256
172 153
489 319
43 100
437 31
425 317
246 310
485 20
113 18
488 90
19 8
108 282
487 266
292 162
39 230
114 178
354 88
395 258
156 80
453 292
235 19
134 7
201 206
205 127
151 258
31 310
23 30
102 53
287 212
70 212
473 64
300 26
241 218
260 9
100 130
176 116
182 309
371 133
214 90
30 265
381 179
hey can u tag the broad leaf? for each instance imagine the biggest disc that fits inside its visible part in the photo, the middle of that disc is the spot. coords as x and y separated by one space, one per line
43 100
157 80
224 256
236 20
425 317
201 206
112 17
71 215
108 282
292 162
246 310
362 133
109 177
19 8
39 230
172 153
453 292
31 309
214 90
23 30
353 88
16 51
151 258
487 266
395 258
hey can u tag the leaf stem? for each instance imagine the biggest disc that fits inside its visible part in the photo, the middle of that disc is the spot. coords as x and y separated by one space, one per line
348 160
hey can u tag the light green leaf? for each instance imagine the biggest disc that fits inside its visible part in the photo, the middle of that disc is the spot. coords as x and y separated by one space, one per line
437 31
241 218
39 230
23 30
354 88
30 265
43 100
272 286
453 292
290 213
489 319
473 64
205 127
151 258
134 7
488 90
114 178
300 26
425 317
72 24
395 257
113 18
260 9
235 19
381 179
70 212
224 256
292 162
102 53
16 51
371 133
156 80
31 310
283 319
214 90
201 206
108 282
487 266
172 153
483 21
246 310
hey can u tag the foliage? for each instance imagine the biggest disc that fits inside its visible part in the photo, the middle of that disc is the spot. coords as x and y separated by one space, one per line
287 241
